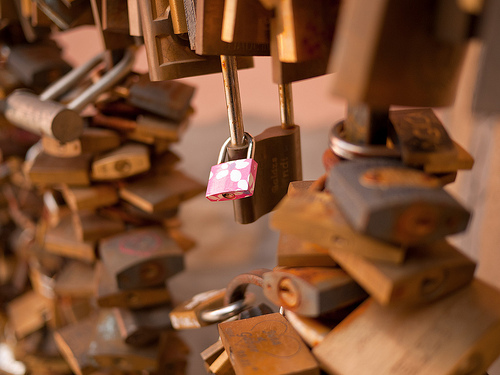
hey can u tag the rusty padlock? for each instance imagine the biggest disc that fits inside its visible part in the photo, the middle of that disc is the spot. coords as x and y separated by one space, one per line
234 179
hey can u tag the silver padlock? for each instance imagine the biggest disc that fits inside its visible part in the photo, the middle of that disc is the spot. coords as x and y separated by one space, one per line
43 115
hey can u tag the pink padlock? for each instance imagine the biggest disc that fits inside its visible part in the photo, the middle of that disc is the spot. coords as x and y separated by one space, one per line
234 179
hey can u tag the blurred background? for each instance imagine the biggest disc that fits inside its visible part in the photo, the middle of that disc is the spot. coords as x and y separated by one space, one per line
225 248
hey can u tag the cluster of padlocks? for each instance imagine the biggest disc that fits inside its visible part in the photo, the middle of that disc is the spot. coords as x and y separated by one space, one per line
366 280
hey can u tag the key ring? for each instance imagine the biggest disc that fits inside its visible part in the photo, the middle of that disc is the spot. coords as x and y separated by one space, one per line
235 299
351 151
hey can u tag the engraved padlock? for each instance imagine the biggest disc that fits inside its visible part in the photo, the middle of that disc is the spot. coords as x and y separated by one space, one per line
234 179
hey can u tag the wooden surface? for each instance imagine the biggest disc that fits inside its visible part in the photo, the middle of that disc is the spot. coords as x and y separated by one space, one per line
458 334
266 344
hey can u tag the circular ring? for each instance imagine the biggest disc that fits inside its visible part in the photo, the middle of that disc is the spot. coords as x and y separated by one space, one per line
350 151
227 311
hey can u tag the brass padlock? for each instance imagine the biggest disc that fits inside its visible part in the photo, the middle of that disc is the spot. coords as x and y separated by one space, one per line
209 18
266 344
140 258
278 152
400 56
312 291
111 38
428 273
466 318
109 295
89 198
37 65
169 56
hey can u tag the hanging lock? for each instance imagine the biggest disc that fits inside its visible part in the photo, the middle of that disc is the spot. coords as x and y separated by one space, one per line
234 179
44 115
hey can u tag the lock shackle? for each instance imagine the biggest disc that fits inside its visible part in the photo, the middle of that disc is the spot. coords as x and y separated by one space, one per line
107 81
236 299
223 151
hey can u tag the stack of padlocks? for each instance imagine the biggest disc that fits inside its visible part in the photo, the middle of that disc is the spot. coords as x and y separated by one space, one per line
91 224
365 276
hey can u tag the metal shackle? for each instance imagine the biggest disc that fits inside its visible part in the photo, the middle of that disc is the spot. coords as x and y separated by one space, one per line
223 151
236 299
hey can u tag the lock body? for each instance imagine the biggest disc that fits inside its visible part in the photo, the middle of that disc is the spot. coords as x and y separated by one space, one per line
232 180
278 153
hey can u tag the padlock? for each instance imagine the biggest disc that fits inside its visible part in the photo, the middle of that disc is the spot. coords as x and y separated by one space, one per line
245 21
53 147
89 198
170 99
209 19
115 16
150 128
278 152
142 327
169 56
65 17
486 86
284 73
37 65
162 192
400 57
295 252
109 295
128 160
141 258
110 39
90 226
134 18
221 365
28 313
76 279
314 216
43 115
394 203
304 31
96 140
419 337
311 291
233 179
50 170
62 240
187 314
108 349
173 354
428 273
178 16
266 344
73 342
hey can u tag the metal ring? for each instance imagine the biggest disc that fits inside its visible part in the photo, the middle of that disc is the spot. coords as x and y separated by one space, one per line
227 311
223 150
350 151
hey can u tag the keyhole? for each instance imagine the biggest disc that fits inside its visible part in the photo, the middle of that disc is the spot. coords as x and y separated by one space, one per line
228 195
288 293
123 166
150 271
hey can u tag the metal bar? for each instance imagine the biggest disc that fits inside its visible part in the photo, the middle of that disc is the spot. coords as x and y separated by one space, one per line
111 78
286 105
233 101
69 80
